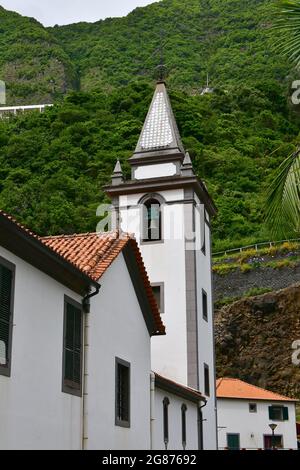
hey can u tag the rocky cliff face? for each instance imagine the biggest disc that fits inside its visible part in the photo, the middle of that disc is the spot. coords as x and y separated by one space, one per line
254 338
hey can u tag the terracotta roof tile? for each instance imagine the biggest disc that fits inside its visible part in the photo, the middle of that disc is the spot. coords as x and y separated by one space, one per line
235 388
93 253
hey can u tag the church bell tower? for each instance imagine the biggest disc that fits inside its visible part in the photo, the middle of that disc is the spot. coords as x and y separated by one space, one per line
169 210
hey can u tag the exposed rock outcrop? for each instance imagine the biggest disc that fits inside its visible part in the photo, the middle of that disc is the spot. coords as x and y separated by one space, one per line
254 338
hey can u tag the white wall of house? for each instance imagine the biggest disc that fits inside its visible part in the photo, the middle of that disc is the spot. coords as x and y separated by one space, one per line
175 423
34 413
118 329
234 418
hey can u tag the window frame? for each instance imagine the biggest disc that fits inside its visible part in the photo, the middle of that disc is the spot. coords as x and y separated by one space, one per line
255 407
119 422
183 426
204 313
206 382
66 388
283 413
6 370
166 434
143 203
161 285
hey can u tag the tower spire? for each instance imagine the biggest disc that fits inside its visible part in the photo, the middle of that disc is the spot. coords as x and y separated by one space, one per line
160 138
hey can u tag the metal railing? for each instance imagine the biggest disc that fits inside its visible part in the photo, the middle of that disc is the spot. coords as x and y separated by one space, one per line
256 247
6 110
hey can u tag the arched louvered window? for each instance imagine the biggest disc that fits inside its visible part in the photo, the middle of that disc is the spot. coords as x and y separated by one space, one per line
152 220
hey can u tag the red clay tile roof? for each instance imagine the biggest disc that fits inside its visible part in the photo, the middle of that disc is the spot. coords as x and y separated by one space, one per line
14 221
93 253
235 388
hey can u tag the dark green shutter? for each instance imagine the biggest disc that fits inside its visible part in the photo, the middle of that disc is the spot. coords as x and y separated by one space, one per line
233 441
73 346
285 413
271 412
5 313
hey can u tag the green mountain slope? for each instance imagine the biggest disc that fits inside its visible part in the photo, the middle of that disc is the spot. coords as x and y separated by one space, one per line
52 166
32 63
229 39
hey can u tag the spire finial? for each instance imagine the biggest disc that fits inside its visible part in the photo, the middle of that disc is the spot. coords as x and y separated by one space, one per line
162 70
117 176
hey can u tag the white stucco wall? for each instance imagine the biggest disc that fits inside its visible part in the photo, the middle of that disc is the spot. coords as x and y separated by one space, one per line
234 418
34 413
118 329
206 333
165 263
175 427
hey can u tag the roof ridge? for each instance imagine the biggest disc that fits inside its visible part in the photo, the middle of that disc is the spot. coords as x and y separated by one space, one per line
77 235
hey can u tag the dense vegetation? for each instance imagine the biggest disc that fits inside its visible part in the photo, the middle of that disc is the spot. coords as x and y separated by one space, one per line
53 166
32 63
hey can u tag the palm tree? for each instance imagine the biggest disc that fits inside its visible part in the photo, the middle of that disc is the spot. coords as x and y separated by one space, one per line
283 201
288 23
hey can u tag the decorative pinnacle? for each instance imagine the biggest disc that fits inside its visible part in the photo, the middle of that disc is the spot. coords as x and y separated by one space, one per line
118 168
187 166
117 177
187 160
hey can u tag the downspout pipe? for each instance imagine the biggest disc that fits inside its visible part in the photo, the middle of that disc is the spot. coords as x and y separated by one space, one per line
86 307
152 409
200 426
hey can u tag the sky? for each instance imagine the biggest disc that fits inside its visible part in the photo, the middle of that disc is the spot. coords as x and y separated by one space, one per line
51 12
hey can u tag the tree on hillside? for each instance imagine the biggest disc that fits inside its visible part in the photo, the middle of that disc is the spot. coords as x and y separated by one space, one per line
283 201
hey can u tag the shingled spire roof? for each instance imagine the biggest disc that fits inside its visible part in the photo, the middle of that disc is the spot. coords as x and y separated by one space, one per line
160 135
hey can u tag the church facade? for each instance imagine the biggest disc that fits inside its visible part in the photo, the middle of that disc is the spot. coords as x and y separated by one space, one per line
106 339
169 210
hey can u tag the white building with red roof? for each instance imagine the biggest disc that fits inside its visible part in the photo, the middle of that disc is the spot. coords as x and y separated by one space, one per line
251 417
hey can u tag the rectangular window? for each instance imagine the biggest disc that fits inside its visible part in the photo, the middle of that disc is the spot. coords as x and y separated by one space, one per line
278 413
158 291
183 426
204 305
273 442
122 393
203 231
252 407
7 275
72 350
166 403
233 441
206 380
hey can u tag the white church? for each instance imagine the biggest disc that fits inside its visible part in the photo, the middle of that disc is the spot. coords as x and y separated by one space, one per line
106 339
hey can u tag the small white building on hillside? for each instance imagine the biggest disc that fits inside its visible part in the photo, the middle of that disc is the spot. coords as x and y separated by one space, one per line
245 413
